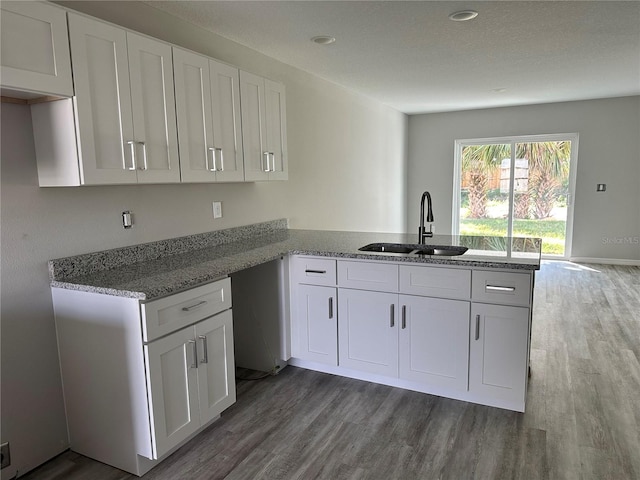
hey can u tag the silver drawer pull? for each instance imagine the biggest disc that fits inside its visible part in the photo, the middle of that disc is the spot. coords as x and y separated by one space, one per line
392 320
205 359
497 288
477 327
404 317
321 272
330 307
193 307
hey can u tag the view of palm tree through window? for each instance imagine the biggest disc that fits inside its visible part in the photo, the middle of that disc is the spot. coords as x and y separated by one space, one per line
520 195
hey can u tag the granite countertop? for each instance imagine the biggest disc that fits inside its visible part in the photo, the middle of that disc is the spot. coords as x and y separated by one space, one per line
158 269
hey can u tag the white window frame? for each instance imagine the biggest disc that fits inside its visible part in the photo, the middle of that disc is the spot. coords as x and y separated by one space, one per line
513 140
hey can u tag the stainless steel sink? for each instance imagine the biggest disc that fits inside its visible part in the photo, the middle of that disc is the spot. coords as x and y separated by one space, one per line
415 249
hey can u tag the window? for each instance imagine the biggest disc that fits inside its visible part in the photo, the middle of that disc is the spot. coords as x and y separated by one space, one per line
517 187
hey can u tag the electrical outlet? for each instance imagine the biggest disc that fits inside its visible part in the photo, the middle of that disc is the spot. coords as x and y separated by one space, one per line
217 209
5 454
127 220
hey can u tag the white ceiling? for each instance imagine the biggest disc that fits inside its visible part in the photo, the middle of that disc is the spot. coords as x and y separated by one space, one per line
410 56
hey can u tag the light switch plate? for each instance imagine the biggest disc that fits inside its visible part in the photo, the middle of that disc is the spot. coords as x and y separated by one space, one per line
217 209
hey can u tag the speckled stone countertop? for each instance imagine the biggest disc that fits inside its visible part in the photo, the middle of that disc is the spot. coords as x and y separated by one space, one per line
158 269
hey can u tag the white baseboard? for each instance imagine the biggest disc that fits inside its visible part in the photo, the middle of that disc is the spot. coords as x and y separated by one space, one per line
606 261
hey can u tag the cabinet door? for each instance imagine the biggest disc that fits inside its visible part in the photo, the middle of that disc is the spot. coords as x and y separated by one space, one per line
172 383
195 121
316 324
216 369
368 331
253 127
103 101
227 127
35 48
499 339
153 105
434 341
276 130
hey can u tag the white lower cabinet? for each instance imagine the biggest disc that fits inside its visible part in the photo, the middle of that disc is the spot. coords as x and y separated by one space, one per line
425 328
135 390
317 332
419 339
499 352
190 376
368 331
434 346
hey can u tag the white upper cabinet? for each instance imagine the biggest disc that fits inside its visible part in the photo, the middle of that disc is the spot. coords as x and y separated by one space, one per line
103 102
263 128
154 118
227 124
35 49
122 138
276 127
208 114
128 123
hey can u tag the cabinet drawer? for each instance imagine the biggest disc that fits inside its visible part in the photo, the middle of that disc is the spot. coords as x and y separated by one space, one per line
166 315
501 287
313 271
435 282
381 277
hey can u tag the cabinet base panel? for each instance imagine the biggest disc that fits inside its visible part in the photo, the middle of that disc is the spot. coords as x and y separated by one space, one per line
465 396
144 464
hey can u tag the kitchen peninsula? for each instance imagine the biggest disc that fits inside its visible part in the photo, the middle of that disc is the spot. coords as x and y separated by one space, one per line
156 321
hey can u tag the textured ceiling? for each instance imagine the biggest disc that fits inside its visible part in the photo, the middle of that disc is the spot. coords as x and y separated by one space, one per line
410 56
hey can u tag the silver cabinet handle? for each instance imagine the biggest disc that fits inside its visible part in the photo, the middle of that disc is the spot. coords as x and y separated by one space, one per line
268 168
404 317
132 146
477 327
392 320
193 307
144 156
330 307
221 159
213 160
316 271
195 354
498 288
273 162
205 359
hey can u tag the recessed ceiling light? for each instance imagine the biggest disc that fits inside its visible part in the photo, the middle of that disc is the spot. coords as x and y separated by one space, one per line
323 39
463 15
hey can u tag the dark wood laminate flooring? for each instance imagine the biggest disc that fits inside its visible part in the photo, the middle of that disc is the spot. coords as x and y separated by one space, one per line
582 419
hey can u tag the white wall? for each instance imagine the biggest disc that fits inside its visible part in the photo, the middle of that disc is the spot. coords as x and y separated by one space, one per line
347 171
609 152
